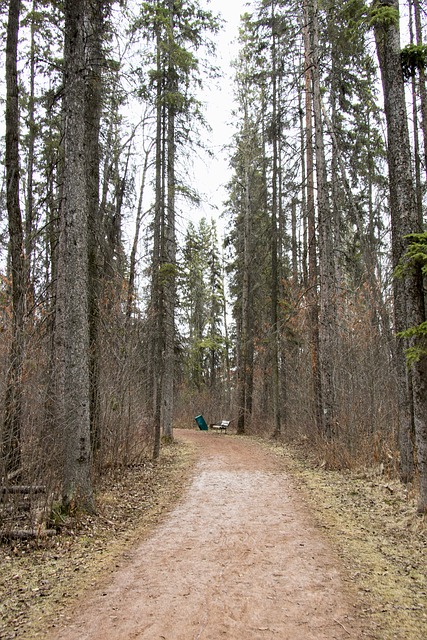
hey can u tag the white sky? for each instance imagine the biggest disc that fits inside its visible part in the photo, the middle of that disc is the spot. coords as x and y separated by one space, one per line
211 174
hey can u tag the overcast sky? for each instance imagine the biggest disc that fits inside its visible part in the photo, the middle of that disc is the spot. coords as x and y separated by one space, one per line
211 174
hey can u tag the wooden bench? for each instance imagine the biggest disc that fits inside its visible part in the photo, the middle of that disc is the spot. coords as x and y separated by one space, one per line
221 428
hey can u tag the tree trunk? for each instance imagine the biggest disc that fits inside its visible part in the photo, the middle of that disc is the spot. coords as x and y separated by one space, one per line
294 242
245 362
169 257
133 253
327 288
32 132
415 125
408 291
95 25
422 78
73 248
313 301
275 339
11 434
156 356
227 364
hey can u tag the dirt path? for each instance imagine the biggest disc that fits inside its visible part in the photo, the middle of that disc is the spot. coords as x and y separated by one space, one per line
238 558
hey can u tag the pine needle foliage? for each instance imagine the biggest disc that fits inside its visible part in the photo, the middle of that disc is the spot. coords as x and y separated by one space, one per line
383 16
415 257
413 58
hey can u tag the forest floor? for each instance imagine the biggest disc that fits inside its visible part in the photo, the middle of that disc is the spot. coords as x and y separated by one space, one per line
226 537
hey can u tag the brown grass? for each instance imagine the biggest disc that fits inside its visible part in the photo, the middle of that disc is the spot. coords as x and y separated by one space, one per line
369 518
372 522
39 580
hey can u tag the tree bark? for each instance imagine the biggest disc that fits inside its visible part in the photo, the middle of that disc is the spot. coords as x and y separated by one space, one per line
156 356
169 257
313 300
138 222
327 282
93 100
11 433
32 132
275 339
77 487
408 291
244 372
422 78
415 125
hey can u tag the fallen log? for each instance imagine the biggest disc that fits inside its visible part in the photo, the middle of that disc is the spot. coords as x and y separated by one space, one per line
26 489
26 534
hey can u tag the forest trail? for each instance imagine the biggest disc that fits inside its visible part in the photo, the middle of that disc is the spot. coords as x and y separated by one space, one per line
239 558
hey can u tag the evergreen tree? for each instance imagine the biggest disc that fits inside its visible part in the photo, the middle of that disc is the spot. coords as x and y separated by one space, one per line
180 29
80 208
202 305
12 425
409 303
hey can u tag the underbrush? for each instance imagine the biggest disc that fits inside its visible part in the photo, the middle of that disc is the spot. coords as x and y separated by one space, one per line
40 578
371 519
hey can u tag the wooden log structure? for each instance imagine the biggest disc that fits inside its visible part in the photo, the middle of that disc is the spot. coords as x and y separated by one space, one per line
24 489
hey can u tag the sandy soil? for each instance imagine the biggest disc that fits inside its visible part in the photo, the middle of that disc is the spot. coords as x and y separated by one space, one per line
239 558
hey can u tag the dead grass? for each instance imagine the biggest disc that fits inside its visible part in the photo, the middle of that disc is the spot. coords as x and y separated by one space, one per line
372 522
40 580
370 519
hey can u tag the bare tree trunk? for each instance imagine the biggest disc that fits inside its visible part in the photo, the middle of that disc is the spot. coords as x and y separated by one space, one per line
29 209
138 222
294 242
77 487
422 78
169 262
275 341
304 183
168 258
94 29
245 365
227 364
415 125
156 356
311 226
408 291
327 315
11 434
